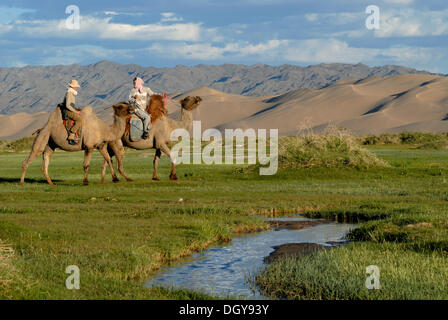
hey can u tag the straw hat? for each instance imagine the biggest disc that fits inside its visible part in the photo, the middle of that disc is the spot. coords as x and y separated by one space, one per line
74 84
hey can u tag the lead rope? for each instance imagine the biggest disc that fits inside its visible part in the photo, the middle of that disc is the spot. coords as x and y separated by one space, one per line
165 97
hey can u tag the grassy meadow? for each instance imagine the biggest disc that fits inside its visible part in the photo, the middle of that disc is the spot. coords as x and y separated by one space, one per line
120 234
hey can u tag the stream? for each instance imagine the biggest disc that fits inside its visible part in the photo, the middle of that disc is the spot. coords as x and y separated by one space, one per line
223 270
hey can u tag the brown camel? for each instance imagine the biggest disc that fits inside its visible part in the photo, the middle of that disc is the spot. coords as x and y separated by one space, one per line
159 133
95 135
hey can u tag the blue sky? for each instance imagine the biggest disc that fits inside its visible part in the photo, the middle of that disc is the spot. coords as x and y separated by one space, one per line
412 33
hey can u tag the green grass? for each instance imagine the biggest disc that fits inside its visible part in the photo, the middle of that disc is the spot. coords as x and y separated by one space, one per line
122 237
341 274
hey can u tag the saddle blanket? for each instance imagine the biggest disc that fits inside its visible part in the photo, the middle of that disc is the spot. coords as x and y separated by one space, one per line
136 131
69 125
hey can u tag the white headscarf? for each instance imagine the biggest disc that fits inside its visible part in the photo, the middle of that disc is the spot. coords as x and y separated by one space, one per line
70 89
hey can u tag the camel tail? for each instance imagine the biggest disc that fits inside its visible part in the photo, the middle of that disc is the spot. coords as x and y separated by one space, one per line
37 132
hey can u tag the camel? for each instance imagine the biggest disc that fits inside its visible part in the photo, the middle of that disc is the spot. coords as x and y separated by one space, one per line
159 133
95 135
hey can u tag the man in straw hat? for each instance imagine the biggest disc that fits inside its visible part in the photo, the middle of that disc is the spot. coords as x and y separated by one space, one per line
70 112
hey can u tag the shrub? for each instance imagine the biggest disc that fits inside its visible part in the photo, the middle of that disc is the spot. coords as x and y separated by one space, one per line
23 144
336 147
414 138
435 145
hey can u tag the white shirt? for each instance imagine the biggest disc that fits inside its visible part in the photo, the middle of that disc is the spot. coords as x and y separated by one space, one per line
142 97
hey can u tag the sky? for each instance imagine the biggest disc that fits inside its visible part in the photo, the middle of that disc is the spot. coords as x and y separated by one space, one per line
412 33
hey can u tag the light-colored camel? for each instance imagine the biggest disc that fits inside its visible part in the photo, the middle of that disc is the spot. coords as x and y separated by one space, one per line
159 133
95 135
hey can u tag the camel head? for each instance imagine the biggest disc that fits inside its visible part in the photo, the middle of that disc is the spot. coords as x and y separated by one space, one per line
123 109
190 103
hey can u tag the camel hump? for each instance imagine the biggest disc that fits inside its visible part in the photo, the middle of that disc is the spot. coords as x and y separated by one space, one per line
87 110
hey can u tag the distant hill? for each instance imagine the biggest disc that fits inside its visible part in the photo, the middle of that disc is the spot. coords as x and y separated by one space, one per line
39 89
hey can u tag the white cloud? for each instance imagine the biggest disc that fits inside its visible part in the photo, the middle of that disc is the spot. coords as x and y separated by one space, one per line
4 28
412 23
115 13
332 50
172 38
394 22
207 51
303 51
309 51
105 28
8 14
400 23
399 2
339 18
111 13
312 17
170 16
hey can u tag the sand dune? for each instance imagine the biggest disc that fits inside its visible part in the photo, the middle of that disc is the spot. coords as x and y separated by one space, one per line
412 102
21 125
392 104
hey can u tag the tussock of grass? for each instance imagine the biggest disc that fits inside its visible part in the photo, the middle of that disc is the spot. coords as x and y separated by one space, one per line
336 147
11 281
6 253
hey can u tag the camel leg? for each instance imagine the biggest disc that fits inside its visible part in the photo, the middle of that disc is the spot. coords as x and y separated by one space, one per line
33 154
167 151
46 156
118 150
156 164
38 147
105 154
87 158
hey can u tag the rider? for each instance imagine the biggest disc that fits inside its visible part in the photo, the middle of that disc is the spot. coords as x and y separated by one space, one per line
139 96
69 111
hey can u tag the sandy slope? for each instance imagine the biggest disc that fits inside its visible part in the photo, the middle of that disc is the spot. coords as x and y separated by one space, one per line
21 125
393 104
412 102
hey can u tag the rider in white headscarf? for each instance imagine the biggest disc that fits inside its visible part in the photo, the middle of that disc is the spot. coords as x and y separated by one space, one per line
139 97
